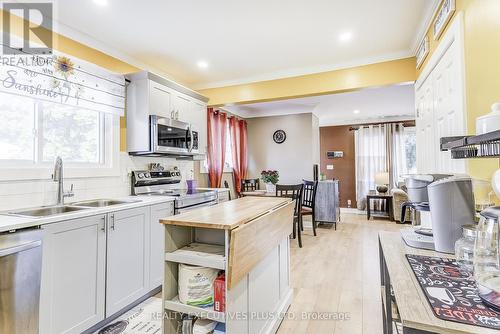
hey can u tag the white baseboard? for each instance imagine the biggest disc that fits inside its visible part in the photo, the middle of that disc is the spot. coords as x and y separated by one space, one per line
353 211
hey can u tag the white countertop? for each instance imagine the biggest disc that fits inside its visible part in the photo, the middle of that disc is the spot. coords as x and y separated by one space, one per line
8 223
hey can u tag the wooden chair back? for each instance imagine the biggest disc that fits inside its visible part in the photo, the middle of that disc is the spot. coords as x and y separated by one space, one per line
309 195
293 191
226 185
250 184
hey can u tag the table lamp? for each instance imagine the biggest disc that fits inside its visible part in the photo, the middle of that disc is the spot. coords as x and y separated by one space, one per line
382 182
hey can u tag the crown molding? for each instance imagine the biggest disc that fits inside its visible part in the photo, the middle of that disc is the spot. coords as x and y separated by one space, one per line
425 25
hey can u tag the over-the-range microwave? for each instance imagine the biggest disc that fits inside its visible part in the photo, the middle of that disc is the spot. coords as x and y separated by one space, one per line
170 136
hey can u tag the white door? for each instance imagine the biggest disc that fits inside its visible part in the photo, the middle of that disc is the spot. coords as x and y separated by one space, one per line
440 103
73 275
199 112
160 100
157 243
449 115
127 270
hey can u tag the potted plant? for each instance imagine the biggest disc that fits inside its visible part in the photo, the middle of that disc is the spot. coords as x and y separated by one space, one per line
270 178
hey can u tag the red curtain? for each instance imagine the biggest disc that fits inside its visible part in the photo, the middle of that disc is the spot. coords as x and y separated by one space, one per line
216 126
238 131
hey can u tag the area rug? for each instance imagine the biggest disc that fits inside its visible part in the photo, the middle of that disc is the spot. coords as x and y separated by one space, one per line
145 318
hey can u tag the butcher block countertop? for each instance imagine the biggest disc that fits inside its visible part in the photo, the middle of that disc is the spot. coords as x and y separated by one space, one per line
227 215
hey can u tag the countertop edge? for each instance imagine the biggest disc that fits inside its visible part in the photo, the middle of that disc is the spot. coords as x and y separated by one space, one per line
9 223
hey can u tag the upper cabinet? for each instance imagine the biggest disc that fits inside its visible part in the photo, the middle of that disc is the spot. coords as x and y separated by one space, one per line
149 94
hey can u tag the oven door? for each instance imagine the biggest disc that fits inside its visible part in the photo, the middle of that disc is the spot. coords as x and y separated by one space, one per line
169 135
189 208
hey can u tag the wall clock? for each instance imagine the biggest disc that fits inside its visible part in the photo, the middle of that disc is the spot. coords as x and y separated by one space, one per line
279 136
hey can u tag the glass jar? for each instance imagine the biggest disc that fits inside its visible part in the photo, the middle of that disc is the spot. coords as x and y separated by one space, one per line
486 257
464 247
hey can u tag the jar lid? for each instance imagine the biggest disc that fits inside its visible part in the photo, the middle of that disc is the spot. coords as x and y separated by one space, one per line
469 230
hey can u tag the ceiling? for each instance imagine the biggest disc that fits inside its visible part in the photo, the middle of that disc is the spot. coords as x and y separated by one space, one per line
244 41
375 104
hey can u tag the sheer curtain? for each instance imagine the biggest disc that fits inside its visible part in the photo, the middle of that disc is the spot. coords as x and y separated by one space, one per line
371 158
398 154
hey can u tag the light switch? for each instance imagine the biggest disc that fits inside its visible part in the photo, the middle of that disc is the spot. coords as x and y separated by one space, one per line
329 167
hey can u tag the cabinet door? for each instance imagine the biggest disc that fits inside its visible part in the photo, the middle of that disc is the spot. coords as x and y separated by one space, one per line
200 123
160 100
127 270
157 243
73 275
182 107
426 143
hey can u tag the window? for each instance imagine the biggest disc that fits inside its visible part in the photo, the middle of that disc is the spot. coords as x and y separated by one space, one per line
228 163
33 133
410 150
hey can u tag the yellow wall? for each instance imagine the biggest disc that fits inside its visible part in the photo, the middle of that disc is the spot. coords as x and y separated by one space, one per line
374 75
79 50
482 67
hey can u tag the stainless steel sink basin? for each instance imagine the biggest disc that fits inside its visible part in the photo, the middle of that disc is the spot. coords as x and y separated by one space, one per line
45 211
98 203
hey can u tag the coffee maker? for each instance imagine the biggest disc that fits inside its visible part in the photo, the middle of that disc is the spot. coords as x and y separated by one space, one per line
449 204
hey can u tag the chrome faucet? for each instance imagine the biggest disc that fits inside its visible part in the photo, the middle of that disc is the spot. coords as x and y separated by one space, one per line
58 177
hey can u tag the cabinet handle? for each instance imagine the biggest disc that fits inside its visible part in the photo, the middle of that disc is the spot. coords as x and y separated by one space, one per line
113 222
103 228
177 114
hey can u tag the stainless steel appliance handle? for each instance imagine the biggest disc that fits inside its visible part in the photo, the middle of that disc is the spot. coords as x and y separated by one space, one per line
20 248
191 142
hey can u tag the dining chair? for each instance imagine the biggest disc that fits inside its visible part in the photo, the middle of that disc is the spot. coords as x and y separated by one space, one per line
250 184
308 200
226 185
294 192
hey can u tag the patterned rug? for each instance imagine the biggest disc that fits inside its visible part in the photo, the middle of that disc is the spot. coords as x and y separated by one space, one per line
145 318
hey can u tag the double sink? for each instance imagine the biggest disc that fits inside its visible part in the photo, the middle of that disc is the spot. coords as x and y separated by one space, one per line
47 211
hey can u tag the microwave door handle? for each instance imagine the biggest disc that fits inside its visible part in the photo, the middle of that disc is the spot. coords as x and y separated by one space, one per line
191 141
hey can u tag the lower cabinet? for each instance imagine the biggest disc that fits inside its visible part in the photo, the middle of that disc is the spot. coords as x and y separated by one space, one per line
127 276
157 243
95 266
72 293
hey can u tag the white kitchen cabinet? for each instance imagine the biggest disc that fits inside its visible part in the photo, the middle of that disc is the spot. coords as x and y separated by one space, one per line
127 270
182 107
157 243
160 100
200 124
72 296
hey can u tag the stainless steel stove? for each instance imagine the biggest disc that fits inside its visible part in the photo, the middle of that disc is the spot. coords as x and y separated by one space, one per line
166 183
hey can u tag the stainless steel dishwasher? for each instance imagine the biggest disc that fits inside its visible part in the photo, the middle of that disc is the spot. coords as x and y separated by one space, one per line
20 269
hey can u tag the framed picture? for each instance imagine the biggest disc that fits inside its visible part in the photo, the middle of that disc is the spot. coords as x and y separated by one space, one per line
423 51
443 17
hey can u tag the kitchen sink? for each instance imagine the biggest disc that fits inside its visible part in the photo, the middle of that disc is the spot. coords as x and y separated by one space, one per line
45 211
98 203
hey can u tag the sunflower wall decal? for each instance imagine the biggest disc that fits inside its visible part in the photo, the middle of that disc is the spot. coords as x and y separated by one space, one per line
64 66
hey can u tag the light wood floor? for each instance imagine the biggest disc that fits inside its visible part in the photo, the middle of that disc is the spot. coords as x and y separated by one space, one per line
337 271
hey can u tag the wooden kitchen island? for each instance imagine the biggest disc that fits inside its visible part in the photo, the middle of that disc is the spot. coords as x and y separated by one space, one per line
248 239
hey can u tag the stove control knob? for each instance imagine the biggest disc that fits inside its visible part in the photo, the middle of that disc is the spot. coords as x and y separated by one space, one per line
178 173
147 175
141 175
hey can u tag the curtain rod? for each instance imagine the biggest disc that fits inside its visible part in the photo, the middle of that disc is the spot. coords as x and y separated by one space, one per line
366 125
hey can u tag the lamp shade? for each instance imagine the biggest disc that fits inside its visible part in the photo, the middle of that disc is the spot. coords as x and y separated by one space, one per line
382 178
